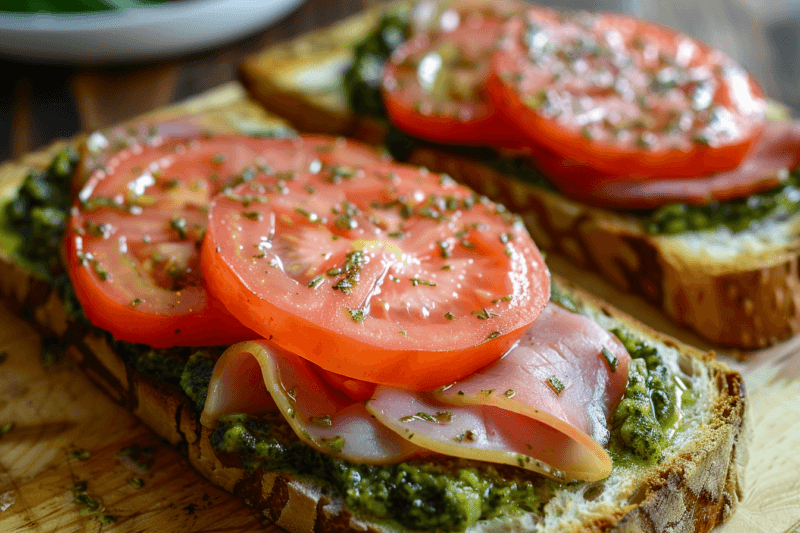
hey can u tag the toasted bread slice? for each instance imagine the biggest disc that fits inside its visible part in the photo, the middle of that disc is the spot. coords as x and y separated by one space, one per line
697 483
737 290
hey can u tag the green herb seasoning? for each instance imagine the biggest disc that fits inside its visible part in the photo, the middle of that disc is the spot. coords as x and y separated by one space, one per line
354 261
105 519
179 225
90 506
610 359
336 445
484 314
356 315
80 455
311 217
441 417
561 298
555 384
6 428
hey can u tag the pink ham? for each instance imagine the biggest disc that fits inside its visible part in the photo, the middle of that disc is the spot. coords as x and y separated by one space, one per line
321 416
488 433
560 344
773 156
511 410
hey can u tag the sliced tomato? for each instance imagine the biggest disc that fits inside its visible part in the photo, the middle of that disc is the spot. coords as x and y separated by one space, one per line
134 235
388 274
433 85
625 96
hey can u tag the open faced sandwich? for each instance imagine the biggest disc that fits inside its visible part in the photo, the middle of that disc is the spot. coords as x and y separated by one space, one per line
351 344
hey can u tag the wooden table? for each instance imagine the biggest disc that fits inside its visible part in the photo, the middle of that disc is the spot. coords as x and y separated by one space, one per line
58 412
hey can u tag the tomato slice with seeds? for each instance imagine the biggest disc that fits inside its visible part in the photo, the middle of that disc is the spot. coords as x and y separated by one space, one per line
135 232
433 85
388 274
625 96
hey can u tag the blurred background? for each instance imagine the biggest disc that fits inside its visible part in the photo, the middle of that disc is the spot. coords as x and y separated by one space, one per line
40 102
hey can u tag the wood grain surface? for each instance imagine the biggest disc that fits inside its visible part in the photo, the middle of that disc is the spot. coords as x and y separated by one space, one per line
58 414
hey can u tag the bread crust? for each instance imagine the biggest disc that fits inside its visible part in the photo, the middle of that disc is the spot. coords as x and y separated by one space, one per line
750 300
689 491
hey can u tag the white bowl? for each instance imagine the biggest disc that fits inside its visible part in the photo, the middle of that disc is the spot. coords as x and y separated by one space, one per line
142 33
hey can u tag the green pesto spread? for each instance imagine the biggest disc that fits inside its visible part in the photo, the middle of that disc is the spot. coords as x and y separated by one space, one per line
196 375
650 410
414 495
362 88
363 80
188 368
743 214
39 214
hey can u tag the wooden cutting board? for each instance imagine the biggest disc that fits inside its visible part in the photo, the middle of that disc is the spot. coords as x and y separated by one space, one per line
66 432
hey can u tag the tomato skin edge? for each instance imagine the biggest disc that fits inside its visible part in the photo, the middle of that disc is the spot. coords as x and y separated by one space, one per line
213 326
603 159
447 130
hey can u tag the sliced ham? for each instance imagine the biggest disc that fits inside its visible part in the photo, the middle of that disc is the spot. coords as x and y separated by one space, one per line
773 156
491 434
543 407
562 346
321 416
516 412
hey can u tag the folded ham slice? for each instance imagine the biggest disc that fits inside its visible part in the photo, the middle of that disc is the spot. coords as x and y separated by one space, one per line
321 416
543 407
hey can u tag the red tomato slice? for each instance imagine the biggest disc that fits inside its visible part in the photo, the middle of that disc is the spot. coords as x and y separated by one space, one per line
625 96
137 227
388 274
433 85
